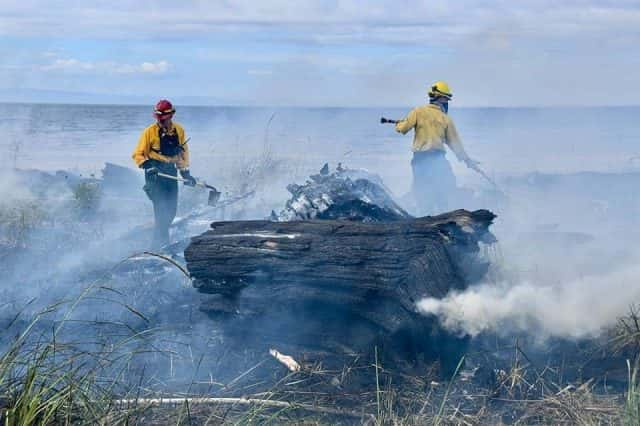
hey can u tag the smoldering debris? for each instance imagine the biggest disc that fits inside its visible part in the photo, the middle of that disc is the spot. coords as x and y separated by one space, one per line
351 267
353 194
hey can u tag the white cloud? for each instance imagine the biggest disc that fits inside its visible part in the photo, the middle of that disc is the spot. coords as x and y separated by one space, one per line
398 21
159 67
76 66
68 65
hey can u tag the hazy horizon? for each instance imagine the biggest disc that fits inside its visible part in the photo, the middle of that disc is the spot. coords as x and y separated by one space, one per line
453 106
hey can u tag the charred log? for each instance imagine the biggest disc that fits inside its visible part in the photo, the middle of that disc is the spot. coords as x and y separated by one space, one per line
339 283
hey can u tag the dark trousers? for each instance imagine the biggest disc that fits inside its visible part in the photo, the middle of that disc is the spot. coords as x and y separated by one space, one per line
163 193
433 182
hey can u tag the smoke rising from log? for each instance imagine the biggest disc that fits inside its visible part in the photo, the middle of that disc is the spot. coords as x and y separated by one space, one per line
569 270
574 309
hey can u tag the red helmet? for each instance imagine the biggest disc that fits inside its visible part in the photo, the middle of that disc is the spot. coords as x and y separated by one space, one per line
163 110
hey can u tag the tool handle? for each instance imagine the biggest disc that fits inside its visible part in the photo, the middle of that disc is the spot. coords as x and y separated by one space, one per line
387 120
179 179
166 176
481 172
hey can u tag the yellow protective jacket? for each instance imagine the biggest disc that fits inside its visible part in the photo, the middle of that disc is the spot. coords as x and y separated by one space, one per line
433 130
149 147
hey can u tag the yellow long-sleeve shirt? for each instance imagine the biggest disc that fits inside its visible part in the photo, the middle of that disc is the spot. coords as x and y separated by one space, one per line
149 147
433 130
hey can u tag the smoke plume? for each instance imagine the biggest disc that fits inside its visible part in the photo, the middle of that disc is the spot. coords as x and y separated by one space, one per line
582 307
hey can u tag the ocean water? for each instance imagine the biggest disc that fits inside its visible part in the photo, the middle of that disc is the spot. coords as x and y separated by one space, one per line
505 140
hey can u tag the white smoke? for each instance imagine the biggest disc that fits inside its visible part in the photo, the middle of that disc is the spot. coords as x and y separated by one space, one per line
12 190
582 307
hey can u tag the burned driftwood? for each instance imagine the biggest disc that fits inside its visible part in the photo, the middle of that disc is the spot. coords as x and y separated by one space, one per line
350 194
334 284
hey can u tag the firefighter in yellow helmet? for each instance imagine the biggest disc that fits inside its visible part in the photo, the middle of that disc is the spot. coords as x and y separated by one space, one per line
162 148
433 179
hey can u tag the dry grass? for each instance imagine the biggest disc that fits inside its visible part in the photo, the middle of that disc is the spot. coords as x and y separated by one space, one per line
45 380
18 220
632 407
87 196
52 383
627 333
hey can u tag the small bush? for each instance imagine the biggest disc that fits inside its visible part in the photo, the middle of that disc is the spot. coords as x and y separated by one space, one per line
87 196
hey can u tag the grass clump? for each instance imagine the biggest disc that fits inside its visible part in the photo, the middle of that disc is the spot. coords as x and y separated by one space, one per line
626 337
87 196
35 391
632 406
18 220
64 369
46 381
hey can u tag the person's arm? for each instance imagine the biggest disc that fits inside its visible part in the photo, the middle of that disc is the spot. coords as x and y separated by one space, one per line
452 139
183 160
141 152
407 123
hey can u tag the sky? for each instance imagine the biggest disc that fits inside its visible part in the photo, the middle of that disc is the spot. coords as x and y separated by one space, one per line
321 52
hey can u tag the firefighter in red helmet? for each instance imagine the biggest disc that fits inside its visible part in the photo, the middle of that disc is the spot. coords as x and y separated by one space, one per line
162 148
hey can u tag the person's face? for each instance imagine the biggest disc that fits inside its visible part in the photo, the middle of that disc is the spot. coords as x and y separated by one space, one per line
165 123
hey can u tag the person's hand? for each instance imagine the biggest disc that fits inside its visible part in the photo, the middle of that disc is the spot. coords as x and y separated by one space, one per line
149 168
472 164
188 179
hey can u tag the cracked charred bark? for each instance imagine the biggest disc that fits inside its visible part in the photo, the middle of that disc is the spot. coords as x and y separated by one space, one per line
334 284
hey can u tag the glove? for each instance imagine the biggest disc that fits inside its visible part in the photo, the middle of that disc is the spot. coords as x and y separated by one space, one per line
472 164
149 168
188 179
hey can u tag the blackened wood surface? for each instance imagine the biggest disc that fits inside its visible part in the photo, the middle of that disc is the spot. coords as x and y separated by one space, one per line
409 258
339 281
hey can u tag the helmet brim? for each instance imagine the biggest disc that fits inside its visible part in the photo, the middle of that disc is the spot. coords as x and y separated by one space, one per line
162 116
434 94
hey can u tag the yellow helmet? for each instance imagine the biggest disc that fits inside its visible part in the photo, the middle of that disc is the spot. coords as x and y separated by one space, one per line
440 88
